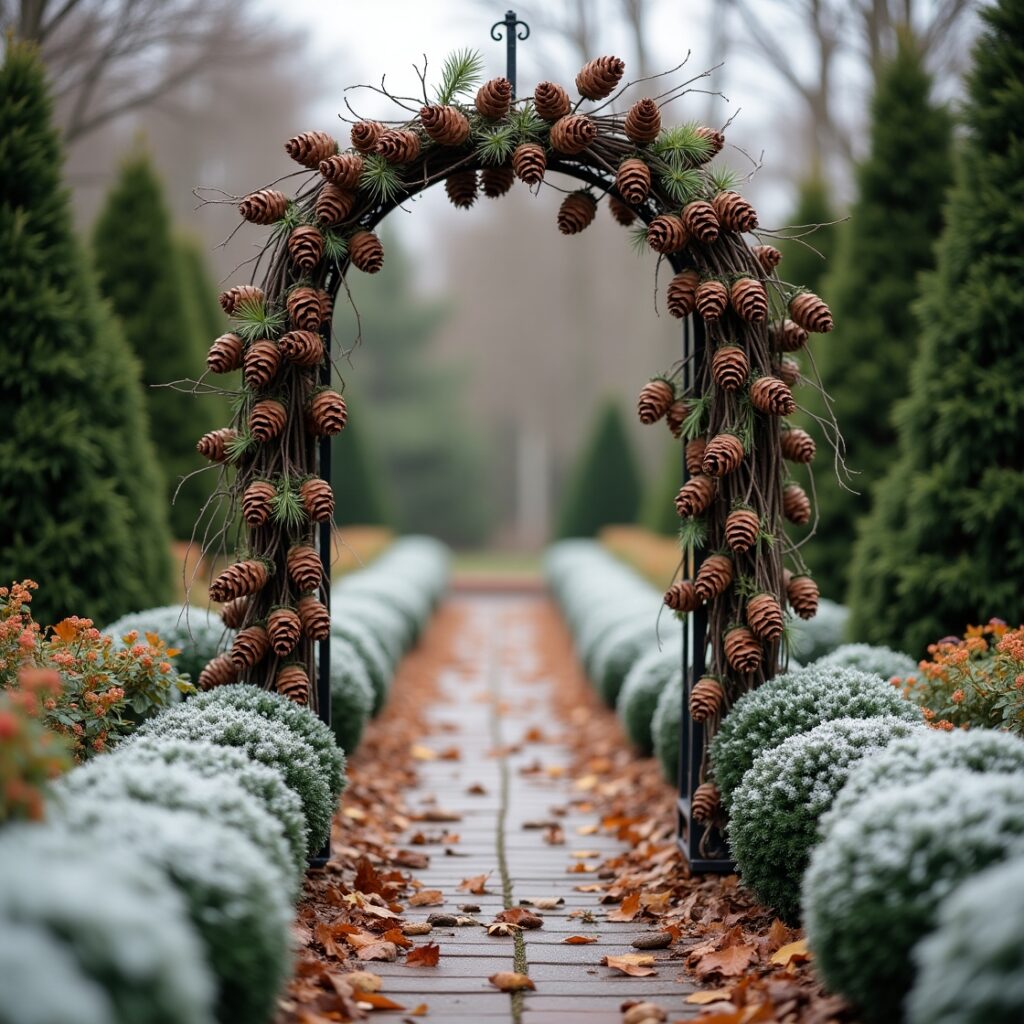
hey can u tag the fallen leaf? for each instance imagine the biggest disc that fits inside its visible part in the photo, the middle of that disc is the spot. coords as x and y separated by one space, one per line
794 952
554 836
421 753
627 909
511 981
709 995
522 917
534 735
585 854
363 981
543 902
581 868
655 902
328 938
502 928
778 935
424 956
477 885
386 951
377 1001
636 965
421 1011
427 898
439 816
580 940
728 962
397 936
587 830
450 754
476 790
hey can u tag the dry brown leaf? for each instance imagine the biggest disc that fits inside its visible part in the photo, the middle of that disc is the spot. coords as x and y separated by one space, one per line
580 940
397 936
328 938
378 1001
502 928
636 965
476 790
728 962
477 885
422 753
709 995
520 916
424 956
794 952
363 981
627 909
427 898
386 951
778 935
655 902
585 854
543 902
421 1010
581 869
511 981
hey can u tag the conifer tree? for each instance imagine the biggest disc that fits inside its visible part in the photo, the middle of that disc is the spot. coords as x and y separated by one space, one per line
658 512
356 478
888 242
200 290
944 543
801 264
81 494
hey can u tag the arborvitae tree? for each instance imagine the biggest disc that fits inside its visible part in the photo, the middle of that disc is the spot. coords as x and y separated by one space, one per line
81 503
659 511
889 241
944 543
801 265
356 476
605 487
140 274
200 290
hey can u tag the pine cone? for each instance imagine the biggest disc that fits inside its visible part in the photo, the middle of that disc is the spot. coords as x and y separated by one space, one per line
810 313
305 308
326 306
239 580
398 146
293 683
694 455
742 527
303 348
643 122
723 455
496 181
730 367
342 169
305 247
256 502
695 496
365 135
318 499
462 187
787 336
654 401
334 205
494 98
734 212
310 148
240 294
681 597
633 180
316 619
621 212
796 506
682 293
706 699
701 221
220 671
262 359
713 577
249 647
667 233
327 413
267 419
764 616
768 256
366 252
705 803
715 140
712 299
447 126
284 629
742 650
803 596
572 134
788 371
750 300
214 445
233 613
577 212
798 445
551 101
600 77
771 396
225 354
304 567
676 416
263 207
529 162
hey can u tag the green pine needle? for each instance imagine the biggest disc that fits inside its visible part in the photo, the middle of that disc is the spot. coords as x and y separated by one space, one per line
335 246
525 123
380 179
638 239
722 179
240 446
461 73
252 321
682 145
286 508
693 534
495 145
693 425
683 184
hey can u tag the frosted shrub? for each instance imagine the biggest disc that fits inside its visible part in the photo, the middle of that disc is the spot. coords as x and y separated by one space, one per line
394 592
351 695
878 879
666 726
602 619
794 703
880 661
385 623
970 970
777 808
379 668
623 644
811 639
638 698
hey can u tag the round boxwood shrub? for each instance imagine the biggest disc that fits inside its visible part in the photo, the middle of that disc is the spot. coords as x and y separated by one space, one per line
666 726
234 897
617 656
379 668
351 695
638 698
604 624
970 970
877 880
265 741
129 931
395 592
777 808
880 661
794 703
811 639
383 622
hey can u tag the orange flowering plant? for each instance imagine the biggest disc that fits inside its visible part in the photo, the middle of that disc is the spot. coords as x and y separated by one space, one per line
974 680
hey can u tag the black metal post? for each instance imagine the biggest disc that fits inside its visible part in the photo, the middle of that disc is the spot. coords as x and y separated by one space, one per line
513 27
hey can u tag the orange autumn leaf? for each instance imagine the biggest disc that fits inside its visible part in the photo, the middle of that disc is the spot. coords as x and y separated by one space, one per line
477 885
377 1001
66 630
511 981
636 965
424 956
627 909
421 1011
386 951
579 940
794 952
709 995
326 936
655 902
396 936
728 962
427 898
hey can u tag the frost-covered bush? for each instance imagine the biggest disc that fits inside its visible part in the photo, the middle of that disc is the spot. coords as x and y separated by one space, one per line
878 879
352 695
970 970
666 726
267 742
638 698
386 624
777 808
234 896
880 661
810 639
127 929
379 667
794 703
623 645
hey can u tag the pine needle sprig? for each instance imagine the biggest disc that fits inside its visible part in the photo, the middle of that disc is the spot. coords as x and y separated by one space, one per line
240 446
335 246
286 508
252 320
683 184
693 534
693 425
722 179
460 74
525 123
638 239
682 145
495 145
380 179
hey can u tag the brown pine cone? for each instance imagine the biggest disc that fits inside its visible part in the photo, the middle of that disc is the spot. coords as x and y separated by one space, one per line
723 455
267 419
572 134
327 413
284 629
293 683
741 529
496 181
249 646
695 496
305 308
786 336
701 221
303 348
643 122
214 445
240 294
342 169
712 300
366 252
529 162
742 650
654 400
682 293
577 212
365 135
305 247
771 396
256 502
462 187
798 445
600 77
681 597
264 206
261 362
810 313
621 212
706 699
750 300
310 148
633 180
803 596
551 101
730 367
713 577
667 233
494 98
768 256
676 417
694 455
705 803
239 580
796 506
788 371
334 205
764 616
398 146
220 671
304 567
225 354
715 140
318 499
233 613
447 126
316 619
734 212
326 306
